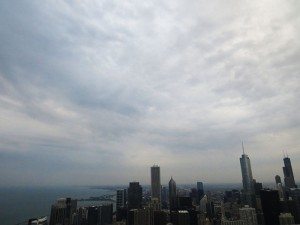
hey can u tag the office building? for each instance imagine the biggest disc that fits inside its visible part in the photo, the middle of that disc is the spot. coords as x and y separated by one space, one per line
270 206
278 179
286 219
248 192
135 195
121 198
172 195
248 214
200 191
155 182
180 217
159 218
139 217
164 197
62 210
289 180
100 215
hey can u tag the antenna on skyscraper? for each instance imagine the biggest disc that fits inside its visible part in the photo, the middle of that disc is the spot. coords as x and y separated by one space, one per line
243 148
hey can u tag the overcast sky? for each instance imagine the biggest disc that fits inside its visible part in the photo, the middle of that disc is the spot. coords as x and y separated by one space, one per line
95 92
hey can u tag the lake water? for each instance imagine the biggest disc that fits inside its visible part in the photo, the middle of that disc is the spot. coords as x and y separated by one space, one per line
20 204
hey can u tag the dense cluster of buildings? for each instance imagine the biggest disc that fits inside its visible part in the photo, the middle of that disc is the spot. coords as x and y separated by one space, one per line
135 205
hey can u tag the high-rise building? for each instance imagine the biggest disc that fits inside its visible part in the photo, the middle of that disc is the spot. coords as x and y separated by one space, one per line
180 217
203 204
295 198
159 218
248 214
286 219
248 192
135 194
121 198
62 210
155 182
200 191
289 179
278 179
164 197
139 217
172 194
270 206
100 215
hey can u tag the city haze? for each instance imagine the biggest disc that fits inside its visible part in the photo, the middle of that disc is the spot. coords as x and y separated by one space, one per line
96 92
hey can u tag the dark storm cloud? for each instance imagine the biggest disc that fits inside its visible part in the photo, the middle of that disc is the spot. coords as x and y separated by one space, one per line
102 90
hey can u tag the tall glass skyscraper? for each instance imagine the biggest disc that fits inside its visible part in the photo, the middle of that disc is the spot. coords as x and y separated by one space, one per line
155 183
172 194
248 184
246 173
289 179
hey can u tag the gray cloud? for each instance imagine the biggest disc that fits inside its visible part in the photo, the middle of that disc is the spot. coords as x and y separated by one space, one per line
102 90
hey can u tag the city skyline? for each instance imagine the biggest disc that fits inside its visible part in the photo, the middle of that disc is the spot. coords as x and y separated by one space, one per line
95 92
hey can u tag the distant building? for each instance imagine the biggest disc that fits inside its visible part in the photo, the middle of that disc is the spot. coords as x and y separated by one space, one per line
155 183
294 203
270 206
164 197
159 218
100 215
248 214
184 203
135 195
180 217
121 198
62 210
248 192
203 204
139 217
172 194
286 219
278 179
289 179
200 191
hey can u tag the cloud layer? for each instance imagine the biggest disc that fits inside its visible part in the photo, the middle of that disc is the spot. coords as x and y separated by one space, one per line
95 92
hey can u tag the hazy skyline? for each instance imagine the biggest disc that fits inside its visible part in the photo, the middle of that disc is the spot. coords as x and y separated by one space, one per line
96 92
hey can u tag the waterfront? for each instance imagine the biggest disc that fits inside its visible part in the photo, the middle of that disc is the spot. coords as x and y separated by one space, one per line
21 203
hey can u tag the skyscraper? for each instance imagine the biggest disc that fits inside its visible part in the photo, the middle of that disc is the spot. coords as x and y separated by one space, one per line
200 191
289 179
172 194
155 183
121 198
248 215
248 185
62 211
270 206
277 179
286 219
135 194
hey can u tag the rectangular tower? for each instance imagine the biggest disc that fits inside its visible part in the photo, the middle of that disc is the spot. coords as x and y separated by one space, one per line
155 183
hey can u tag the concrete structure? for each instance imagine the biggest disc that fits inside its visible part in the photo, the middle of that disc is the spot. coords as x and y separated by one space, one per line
121 198
62 211
172 194
286 219
248 193
289 179
248 214
155 183
135 194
